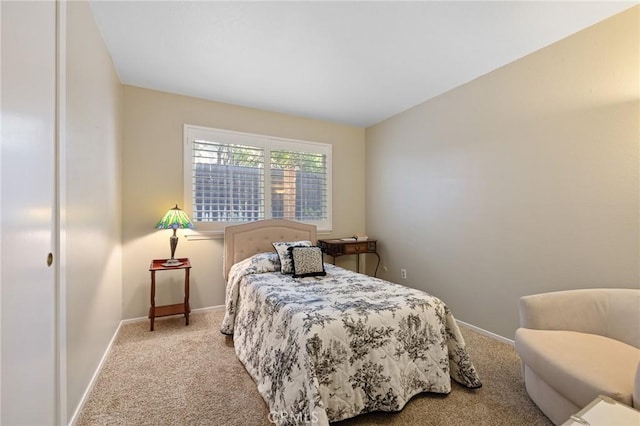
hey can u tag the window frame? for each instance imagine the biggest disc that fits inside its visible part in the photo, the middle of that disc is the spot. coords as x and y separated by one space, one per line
216 229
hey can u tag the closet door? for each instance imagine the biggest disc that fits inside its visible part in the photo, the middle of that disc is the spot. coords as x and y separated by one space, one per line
27 208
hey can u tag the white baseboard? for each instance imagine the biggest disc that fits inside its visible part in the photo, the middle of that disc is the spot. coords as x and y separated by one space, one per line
140 319
92 382
486 333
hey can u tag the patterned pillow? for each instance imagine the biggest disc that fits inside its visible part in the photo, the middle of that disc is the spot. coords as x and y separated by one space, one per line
307 262
286 267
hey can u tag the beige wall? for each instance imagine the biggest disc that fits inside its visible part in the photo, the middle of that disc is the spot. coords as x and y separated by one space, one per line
522 181
91 185
153 183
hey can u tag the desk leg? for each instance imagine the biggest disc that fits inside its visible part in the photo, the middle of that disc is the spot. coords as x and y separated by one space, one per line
152 309
358 262
186 296
377 264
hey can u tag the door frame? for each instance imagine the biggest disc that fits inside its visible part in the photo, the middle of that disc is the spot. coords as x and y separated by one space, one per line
60 227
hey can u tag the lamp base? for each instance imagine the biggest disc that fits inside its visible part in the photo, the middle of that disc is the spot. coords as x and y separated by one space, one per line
172 262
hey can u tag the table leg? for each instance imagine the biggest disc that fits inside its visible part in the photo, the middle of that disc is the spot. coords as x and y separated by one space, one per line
377 264
186 296
152 309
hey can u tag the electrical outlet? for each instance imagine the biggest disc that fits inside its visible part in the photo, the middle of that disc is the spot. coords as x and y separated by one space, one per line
403 274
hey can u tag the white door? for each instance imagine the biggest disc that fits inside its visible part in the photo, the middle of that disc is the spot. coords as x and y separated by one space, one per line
27 208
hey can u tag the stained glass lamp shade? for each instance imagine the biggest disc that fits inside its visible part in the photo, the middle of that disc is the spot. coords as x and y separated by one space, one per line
174 219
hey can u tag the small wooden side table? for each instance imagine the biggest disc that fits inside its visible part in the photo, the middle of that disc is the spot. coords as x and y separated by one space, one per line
166 310
342 247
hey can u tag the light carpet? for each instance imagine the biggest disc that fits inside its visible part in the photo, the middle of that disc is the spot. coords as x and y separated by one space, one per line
179 375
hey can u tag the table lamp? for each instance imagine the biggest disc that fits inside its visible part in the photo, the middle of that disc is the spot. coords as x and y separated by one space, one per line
174 219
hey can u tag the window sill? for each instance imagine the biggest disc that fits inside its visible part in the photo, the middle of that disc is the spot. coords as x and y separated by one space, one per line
219 235
205 235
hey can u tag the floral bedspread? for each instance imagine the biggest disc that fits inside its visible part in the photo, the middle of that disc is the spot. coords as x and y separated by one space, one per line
328 348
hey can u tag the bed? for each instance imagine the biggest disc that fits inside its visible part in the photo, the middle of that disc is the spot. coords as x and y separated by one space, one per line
328 346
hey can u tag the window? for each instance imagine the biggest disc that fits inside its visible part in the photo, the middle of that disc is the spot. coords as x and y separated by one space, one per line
233 177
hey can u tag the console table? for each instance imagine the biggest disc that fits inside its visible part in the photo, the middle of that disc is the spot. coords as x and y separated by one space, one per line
341 247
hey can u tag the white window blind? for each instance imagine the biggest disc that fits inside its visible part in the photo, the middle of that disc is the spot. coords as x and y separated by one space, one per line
233 177
298 185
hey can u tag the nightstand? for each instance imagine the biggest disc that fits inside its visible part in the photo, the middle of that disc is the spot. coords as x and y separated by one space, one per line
178 308
339 247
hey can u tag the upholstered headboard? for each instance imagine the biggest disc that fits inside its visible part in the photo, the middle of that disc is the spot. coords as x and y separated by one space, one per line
247 239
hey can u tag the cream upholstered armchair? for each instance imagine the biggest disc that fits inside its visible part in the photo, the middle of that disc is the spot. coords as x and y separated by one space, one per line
578 344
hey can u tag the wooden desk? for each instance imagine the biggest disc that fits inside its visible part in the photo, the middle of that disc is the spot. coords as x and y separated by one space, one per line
178 308
336 248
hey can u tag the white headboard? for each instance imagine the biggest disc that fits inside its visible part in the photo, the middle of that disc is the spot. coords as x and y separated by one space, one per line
245 240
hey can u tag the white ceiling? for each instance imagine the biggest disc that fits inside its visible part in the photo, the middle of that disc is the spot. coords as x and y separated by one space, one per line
356 63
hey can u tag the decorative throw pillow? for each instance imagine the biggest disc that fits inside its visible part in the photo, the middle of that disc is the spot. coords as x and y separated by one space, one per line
282 248
307 262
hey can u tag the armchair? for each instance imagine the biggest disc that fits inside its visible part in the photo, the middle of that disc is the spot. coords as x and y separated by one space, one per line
577 344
